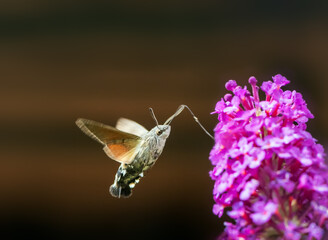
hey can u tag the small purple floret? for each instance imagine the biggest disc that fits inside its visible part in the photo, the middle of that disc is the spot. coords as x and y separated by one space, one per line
231 85
249 188
263 212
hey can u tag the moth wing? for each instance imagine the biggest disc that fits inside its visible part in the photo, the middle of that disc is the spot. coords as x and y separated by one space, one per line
118 145
103 133
123 152
129 126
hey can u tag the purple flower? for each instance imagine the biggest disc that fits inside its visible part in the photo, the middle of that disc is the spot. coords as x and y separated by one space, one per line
249 188
218 209
255 157
291 230
268 169
314 231
263 212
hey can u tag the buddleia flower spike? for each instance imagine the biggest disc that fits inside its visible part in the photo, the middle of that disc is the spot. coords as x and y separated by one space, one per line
267 169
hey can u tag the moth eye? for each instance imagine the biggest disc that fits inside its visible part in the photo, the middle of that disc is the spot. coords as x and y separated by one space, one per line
159 132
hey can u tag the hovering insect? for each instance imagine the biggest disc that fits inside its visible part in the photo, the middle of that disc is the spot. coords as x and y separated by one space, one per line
136 148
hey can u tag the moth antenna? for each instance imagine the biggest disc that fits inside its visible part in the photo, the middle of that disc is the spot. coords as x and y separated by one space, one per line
179 110
153 116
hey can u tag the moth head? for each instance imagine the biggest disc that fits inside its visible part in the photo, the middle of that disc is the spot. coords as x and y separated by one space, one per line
163 131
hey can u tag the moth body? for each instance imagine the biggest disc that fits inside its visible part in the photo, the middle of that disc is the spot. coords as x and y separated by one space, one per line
151 147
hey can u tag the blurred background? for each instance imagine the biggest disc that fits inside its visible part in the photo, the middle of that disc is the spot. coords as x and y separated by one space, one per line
60 60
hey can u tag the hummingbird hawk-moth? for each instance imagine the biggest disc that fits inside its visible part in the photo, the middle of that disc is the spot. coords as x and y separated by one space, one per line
132 145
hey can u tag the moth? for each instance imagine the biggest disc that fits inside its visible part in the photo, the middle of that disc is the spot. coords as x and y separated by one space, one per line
132 145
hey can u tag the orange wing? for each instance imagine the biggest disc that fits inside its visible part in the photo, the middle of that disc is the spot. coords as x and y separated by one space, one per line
118 145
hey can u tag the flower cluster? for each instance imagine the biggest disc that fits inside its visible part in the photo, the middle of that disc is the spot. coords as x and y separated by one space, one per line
268 170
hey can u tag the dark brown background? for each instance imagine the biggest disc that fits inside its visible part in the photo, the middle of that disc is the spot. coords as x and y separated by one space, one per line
60 60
